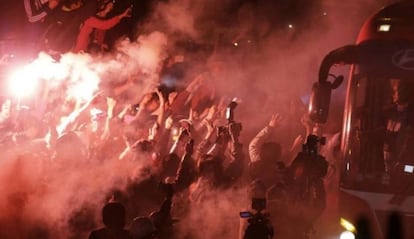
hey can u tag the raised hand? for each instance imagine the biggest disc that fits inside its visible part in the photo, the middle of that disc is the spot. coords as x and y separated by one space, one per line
126 13
195 84
297 143
160 96
212 111
110 102
275 120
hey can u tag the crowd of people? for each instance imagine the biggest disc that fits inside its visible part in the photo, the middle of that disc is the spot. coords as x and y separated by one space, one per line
74 25
184 143
165 156
186 140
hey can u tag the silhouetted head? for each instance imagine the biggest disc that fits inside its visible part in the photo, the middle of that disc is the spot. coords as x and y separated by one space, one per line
400 91
70 5
113 215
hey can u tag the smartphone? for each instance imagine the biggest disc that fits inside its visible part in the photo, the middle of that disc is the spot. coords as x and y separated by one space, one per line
245 214
229 115
408 168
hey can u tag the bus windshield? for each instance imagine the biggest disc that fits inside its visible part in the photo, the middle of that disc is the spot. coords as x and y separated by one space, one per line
378 142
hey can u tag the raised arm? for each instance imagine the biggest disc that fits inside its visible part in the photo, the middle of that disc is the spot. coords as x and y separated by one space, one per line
262 136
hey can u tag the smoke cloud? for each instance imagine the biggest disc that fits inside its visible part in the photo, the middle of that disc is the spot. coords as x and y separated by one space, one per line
43 198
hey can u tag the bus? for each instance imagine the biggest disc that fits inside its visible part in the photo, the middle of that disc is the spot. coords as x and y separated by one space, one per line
377 141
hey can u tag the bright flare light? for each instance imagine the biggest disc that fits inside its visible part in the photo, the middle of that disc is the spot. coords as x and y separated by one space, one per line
85 84
23 82
347 235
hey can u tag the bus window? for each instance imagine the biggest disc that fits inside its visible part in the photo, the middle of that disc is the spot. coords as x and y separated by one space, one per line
398 139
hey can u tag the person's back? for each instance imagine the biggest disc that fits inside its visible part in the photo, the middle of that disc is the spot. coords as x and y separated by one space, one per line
113 216
258 230
266 155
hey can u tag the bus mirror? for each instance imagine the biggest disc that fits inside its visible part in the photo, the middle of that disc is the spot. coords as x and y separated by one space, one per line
337 82
320 101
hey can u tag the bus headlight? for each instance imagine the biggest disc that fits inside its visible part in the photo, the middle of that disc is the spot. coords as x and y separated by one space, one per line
347 235
350 229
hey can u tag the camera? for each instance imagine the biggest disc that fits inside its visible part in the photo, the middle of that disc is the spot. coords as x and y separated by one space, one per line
314 164
230 120
312 142
230 111
259 226
258 204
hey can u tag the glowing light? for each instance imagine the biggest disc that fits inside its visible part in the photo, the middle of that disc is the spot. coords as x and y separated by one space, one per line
290 26
347 225
347 235
236 44
23 82
96 112
384 28
85 84
325 13
175 133
408 168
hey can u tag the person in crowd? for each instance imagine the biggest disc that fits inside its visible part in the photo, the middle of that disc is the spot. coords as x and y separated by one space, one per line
63 24
399 127
187 170
216 169
98 22
259 224
266 156
306 188
37 10
159 224
113 217
202 92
